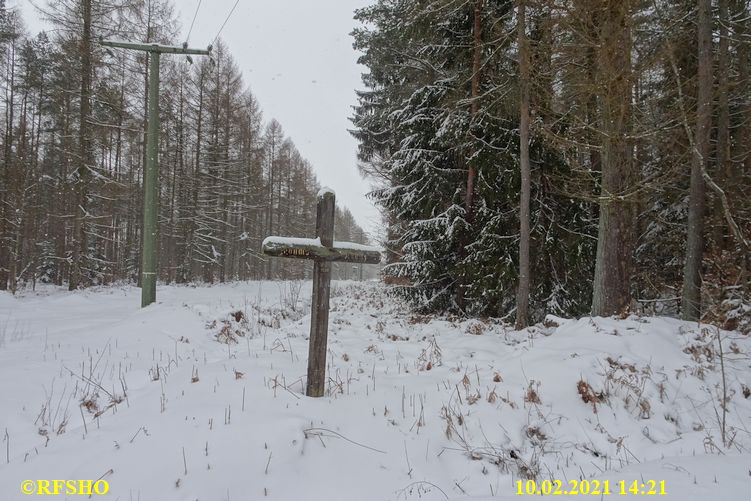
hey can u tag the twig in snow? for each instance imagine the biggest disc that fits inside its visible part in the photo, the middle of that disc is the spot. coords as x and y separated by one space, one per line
724 392
108 472
406 455
85 429
136 434
90 381
421 482
318 431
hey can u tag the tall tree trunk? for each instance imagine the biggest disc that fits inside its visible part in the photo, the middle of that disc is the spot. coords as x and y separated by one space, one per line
195 265
171 234
38 219
182 190
63 193
743 30
691 300
522 297
474 107
119 265
474 99
21 179
6 203
741 164
270 217
616 235
83 172
723 123
227 193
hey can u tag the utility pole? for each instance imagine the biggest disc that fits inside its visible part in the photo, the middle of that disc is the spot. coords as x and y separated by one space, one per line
151 170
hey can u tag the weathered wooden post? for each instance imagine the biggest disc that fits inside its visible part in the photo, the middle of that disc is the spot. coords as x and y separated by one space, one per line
323 251
319 310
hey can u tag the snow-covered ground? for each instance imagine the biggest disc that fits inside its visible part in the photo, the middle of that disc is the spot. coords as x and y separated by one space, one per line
199 397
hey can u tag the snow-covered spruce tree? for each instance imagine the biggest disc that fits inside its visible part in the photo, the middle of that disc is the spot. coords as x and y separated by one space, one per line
427 115
396 123
414 134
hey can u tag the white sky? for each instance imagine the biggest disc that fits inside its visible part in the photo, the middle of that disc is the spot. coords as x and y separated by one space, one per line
297 58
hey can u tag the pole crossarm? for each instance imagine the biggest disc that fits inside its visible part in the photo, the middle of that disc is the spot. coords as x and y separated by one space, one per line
311 248
155 47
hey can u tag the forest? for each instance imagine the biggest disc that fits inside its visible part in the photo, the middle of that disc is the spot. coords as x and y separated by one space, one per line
73 136
558 298
561 156
528 156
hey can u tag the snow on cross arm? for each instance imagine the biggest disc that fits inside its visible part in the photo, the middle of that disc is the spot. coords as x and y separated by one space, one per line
356 247
274 241
289 241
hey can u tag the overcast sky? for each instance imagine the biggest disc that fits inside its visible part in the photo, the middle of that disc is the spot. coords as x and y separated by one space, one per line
297 58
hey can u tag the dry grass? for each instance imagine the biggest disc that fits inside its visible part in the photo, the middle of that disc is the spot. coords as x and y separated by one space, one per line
531 396
589 395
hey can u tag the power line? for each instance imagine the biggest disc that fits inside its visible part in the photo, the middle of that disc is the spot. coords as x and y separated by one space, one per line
225 21
187 39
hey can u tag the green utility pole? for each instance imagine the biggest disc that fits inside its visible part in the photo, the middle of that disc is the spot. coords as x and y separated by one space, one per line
151 172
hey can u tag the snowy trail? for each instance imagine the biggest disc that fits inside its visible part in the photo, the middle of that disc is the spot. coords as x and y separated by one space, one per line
418 407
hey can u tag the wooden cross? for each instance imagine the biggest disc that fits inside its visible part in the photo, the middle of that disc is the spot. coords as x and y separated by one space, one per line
323 250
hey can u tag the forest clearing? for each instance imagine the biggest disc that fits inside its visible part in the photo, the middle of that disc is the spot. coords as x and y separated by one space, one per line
208 385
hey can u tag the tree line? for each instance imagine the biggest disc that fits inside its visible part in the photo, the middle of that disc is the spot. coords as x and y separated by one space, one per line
73 151
562 156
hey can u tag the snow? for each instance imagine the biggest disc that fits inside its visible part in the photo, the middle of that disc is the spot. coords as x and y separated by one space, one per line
356 247
417 407
290 241
325 191
294 241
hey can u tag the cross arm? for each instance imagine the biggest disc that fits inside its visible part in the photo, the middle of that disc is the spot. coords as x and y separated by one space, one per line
311 248
154 47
